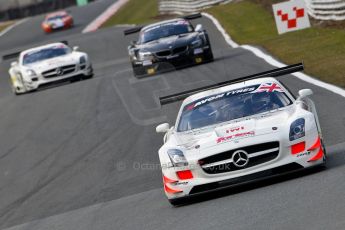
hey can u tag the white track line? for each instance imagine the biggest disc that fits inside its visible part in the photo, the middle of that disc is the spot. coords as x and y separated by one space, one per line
272 61
98 22
2 33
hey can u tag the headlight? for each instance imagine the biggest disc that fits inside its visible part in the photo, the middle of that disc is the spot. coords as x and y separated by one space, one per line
297 129
177 157
144 55
197 43
30 72
82 60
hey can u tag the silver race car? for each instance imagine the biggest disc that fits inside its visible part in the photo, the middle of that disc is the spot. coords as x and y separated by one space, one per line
46 65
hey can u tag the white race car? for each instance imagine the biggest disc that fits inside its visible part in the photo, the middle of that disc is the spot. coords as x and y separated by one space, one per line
246 130
48 64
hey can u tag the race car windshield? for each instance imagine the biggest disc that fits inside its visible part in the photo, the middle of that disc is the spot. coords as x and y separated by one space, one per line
165 30
44 54
55 18
231 105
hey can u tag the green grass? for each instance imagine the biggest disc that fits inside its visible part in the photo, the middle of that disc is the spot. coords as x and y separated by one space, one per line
4 25
321 49
135 12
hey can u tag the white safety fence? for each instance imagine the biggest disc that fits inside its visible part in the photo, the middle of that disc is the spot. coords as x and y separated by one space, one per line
318 9
186 6
326 9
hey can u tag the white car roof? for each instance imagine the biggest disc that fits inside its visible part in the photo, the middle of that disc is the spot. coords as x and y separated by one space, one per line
227 88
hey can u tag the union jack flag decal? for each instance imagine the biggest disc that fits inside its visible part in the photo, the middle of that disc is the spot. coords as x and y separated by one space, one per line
269 87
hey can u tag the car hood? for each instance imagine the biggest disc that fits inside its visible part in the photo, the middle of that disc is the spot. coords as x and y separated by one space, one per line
168 43
228 135
53 63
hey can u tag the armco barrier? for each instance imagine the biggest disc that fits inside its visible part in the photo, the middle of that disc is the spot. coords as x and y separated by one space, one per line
186 6
326 9
318 9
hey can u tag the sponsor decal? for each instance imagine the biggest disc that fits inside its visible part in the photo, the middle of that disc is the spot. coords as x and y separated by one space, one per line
235 136
190 107
265 87
235 129
269 87
303 154
222 95
181 183
204 101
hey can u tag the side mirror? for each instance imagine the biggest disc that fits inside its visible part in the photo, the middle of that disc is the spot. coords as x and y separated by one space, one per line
14 63
163 128
75 48
303 93
199 28
133 43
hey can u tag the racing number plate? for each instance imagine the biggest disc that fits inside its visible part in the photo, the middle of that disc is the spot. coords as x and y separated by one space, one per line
198 51
146 63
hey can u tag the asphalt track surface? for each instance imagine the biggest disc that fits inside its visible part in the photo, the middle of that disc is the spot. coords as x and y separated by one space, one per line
84 155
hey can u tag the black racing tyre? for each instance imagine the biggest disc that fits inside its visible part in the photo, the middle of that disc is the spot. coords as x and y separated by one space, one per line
15 92
85 77
324 154
209 56
76 78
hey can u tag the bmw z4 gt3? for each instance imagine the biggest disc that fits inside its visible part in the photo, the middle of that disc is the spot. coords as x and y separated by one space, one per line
168 45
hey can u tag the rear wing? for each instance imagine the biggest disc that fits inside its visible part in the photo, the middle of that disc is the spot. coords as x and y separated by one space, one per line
138 28
13 55
133 30
271 73
192 16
